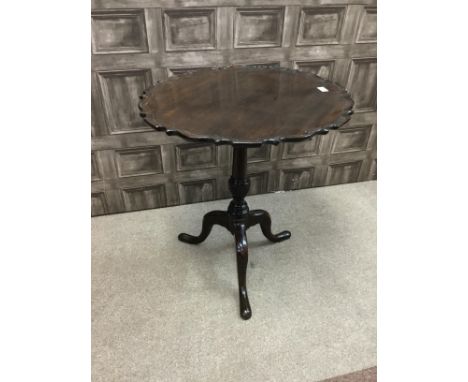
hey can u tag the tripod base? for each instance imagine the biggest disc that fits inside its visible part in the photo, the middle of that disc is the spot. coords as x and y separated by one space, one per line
238 223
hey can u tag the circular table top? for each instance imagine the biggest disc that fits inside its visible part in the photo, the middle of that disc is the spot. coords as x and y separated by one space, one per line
246 106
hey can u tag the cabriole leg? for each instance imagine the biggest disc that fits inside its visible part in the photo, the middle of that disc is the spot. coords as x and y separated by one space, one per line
242 254
263 218
210 219
237 219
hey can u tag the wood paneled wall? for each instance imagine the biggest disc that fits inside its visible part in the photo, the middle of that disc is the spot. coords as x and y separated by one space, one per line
137 42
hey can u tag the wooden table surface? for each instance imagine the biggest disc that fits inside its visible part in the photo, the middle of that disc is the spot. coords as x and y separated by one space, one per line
246 106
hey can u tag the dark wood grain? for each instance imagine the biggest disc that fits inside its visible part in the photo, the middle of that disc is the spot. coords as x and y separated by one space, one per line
237 219
246 106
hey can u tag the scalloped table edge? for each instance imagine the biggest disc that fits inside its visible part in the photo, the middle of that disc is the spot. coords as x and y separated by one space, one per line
322 130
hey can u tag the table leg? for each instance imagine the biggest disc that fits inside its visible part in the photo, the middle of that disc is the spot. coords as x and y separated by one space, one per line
242 253
209 220
263 218
237 219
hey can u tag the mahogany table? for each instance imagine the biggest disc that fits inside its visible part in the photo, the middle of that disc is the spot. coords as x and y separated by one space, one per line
244 107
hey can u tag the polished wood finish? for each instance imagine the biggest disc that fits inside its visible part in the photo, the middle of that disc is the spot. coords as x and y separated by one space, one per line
237 219
244 107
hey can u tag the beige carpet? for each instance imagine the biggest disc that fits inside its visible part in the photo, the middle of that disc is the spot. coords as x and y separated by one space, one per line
163 310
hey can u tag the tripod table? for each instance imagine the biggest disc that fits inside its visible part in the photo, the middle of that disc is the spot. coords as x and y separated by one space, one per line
244 107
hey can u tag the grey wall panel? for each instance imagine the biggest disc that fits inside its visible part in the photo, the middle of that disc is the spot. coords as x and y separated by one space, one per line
138 42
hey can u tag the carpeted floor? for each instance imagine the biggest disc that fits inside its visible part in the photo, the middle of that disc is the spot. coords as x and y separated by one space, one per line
163 310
